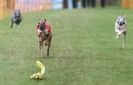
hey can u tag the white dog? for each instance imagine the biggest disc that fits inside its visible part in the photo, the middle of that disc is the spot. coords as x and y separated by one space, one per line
120 28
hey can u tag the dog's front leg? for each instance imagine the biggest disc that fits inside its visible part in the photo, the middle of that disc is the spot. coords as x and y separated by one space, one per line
124 39
118 33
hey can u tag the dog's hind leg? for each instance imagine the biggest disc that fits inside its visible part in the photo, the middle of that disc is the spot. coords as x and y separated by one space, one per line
48 51
124 39
11 24
49 44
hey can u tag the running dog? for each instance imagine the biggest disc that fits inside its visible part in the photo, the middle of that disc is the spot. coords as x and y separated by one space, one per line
44 33
16 18
120 28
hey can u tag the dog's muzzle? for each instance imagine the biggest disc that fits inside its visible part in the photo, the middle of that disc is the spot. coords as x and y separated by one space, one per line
121 23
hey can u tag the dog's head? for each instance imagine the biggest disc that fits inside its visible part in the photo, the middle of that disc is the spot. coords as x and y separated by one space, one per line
42 25
121 20
17 13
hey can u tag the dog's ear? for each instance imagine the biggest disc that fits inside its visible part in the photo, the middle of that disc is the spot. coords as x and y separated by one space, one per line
124 16
44 19
39 19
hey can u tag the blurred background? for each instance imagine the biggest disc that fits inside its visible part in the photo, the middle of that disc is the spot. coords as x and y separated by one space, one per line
7 6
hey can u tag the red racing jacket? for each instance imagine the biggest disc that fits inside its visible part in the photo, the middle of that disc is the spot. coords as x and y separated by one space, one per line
47 26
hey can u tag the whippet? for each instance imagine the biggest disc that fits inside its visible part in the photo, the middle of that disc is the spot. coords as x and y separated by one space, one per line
120 28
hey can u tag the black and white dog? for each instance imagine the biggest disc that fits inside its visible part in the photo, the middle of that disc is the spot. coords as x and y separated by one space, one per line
120 28
16 17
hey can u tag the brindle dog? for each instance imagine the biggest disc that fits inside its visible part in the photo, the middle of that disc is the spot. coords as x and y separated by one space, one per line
43 36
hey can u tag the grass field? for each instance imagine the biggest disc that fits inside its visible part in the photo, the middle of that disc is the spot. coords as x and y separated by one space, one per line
84 50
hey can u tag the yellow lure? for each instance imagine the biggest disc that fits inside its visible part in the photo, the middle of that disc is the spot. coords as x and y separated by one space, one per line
39 75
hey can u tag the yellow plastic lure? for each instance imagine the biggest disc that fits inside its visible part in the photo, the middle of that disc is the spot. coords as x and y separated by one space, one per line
39 75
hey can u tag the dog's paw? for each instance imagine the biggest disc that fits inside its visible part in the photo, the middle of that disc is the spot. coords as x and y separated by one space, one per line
117 37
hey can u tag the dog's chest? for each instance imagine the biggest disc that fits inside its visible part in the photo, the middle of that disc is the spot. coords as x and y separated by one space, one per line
120 27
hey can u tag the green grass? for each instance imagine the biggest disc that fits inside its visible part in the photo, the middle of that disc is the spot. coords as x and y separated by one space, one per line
84 50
